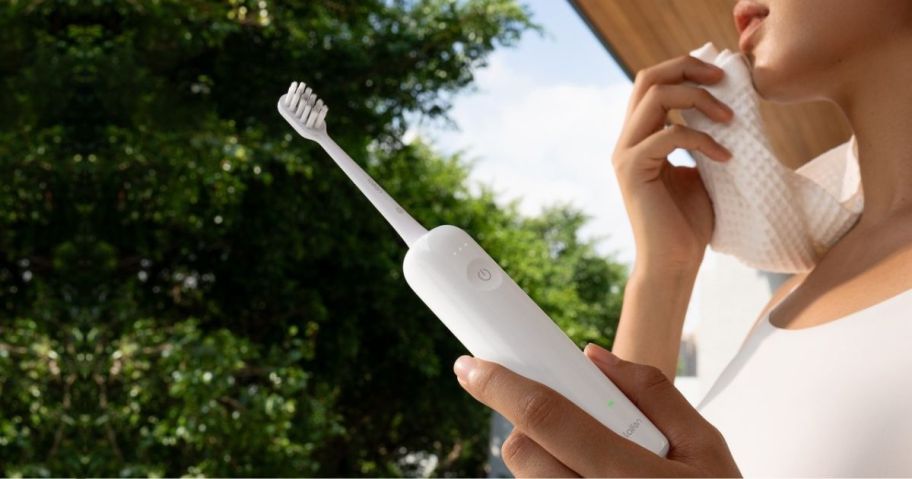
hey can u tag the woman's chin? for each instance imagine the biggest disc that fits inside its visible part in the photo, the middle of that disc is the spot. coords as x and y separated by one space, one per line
782 81
773 85
761 81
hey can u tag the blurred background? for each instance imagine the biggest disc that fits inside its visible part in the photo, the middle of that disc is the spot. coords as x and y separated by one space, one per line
187 288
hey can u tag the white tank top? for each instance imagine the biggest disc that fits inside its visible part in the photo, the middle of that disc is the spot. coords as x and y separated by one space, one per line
829 400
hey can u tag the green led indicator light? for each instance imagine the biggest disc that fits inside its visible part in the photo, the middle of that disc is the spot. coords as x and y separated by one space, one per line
610 402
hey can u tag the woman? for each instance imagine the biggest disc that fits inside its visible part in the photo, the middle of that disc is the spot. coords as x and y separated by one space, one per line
820 387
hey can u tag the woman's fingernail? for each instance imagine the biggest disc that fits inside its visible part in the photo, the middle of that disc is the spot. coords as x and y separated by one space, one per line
601 354
462 367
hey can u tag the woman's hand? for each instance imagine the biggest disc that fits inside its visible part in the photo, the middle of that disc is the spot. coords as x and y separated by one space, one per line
670 212
552 437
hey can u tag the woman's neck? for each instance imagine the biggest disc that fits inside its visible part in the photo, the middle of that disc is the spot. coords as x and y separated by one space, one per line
877 102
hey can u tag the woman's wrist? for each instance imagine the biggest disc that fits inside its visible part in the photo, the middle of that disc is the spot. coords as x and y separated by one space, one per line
664 288
663 270
652 316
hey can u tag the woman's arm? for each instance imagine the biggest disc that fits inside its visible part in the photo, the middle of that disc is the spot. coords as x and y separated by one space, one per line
670 211
652 317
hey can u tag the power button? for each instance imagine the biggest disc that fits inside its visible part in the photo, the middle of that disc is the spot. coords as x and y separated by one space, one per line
483 274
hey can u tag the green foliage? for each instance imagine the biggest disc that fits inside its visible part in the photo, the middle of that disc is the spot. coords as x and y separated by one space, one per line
186 288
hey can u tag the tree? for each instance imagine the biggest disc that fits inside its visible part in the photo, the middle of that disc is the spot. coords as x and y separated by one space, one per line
187 288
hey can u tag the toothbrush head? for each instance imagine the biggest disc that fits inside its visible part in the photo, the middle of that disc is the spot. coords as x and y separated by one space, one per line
304 111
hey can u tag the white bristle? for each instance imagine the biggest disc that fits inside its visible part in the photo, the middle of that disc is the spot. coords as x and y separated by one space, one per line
322 116
303 114
308 100
297 96
312 118
292 98
305 106
291 90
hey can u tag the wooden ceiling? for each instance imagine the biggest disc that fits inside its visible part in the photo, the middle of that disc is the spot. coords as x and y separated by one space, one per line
641 33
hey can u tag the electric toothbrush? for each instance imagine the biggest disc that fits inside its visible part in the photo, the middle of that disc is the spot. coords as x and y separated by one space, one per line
478 301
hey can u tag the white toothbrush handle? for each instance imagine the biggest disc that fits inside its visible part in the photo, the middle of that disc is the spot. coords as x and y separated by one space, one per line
497 321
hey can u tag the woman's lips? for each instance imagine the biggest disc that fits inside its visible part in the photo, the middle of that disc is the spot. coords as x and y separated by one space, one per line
747 15
744 42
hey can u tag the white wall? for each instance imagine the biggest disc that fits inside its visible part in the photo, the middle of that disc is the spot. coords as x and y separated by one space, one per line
731 296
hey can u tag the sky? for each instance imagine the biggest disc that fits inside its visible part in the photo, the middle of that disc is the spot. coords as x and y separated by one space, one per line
542 123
